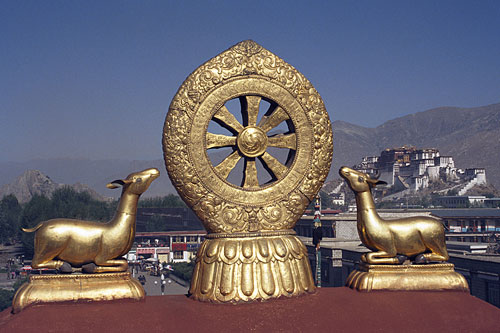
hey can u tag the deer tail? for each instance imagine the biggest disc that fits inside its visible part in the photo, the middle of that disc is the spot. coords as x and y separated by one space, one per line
38 226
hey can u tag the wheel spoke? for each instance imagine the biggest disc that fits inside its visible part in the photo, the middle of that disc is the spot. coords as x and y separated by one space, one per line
283 141
219 140
227 119
267 123
277 169
250 173
252 105
228 164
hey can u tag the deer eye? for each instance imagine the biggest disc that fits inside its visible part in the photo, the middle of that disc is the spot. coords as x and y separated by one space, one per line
138 180
361 179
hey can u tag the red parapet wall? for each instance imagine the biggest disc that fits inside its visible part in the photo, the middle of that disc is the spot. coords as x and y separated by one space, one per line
328 310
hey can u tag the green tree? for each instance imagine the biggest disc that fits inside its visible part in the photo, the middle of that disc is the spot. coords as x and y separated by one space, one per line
6 295
155 223
183 270
326 200
38 209
10 211
68 203
168 201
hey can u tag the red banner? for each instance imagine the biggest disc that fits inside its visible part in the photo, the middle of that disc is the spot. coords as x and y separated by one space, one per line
145 250
179 246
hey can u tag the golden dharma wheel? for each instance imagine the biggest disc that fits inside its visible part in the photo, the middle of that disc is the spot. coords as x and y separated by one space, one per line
247 144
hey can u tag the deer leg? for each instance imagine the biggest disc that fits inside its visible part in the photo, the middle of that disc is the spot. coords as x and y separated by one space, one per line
382 257
61 266
439 253
50 264
44 258
110 265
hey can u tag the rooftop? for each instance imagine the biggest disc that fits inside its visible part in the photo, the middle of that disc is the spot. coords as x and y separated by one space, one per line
466 212
170 233
329 309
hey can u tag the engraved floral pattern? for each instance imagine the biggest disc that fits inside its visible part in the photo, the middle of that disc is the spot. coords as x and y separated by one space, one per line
218 213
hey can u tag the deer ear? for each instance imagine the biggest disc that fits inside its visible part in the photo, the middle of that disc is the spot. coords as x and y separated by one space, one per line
375 182
115 184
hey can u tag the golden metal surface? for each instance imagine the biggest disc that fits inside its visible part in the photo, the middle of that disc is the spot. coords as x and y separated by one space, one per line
251 268
407 277
293 119
392 242
63 242
76 287
252 141
418 237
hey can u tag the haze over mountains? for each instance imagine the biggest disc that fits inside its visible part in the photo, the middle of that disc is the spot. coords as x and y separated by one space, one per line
470 135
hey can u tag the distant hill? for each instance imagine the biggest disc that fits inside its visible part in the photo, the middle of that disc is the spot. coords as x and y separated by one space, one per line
95 173
470 135
33 182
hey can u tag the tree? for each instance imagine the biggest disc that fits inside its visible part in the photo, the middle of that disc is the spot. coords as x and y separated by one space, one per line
326 200
6 295
155 223
168 201
183 270
36 210
10 211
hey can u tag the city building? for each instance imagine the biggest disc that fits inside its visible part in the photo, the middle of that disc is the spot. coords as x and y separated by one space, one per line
470 225
410 168
339 258
460 201
168 246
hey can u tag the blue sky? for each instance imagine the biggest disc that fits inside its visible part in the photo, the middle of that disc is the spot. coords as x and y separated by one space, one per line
94 79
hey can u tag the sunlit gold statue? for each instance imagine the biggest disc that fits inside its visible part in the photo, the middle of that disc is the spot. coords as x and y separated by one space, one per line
77 243
65 244
393 241
418 238
247 144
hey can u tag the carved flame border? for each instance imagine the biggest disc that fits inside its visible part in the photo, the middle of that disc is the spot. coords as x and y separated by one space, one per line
220 213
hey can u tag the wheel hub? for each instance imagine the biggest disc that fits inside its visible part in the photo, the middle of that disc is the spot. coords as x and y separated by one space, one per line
252 141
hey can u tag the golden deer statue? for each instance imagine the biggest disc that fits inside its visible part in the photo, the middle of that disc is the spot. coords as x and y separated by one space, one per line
94 246
393 241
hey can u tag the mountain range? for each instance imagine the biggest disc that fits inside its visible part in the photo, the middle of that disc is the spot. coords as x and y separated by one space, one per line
470 135
33 182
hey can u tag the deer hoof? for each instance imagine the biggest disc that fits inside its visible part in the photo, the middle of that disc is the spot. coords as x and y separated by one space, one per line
401 258
421 259
65 268
89 268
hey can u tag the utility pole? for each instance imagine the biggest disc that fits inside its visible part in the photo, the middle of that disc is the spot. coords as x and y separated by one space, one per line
317 237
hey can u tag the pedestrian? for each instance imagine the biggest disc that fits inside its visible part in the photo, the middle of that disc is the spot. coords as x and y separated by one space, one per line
163 287
317 232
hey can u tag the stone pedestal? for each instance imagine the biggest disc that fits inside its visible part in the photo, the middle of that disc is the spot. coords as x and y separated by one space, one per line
241 269
434 277
77 287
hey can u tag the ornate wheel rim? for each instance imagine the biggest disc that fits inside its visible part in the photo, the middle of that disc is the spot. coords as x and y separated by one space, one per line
284 108
251 74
